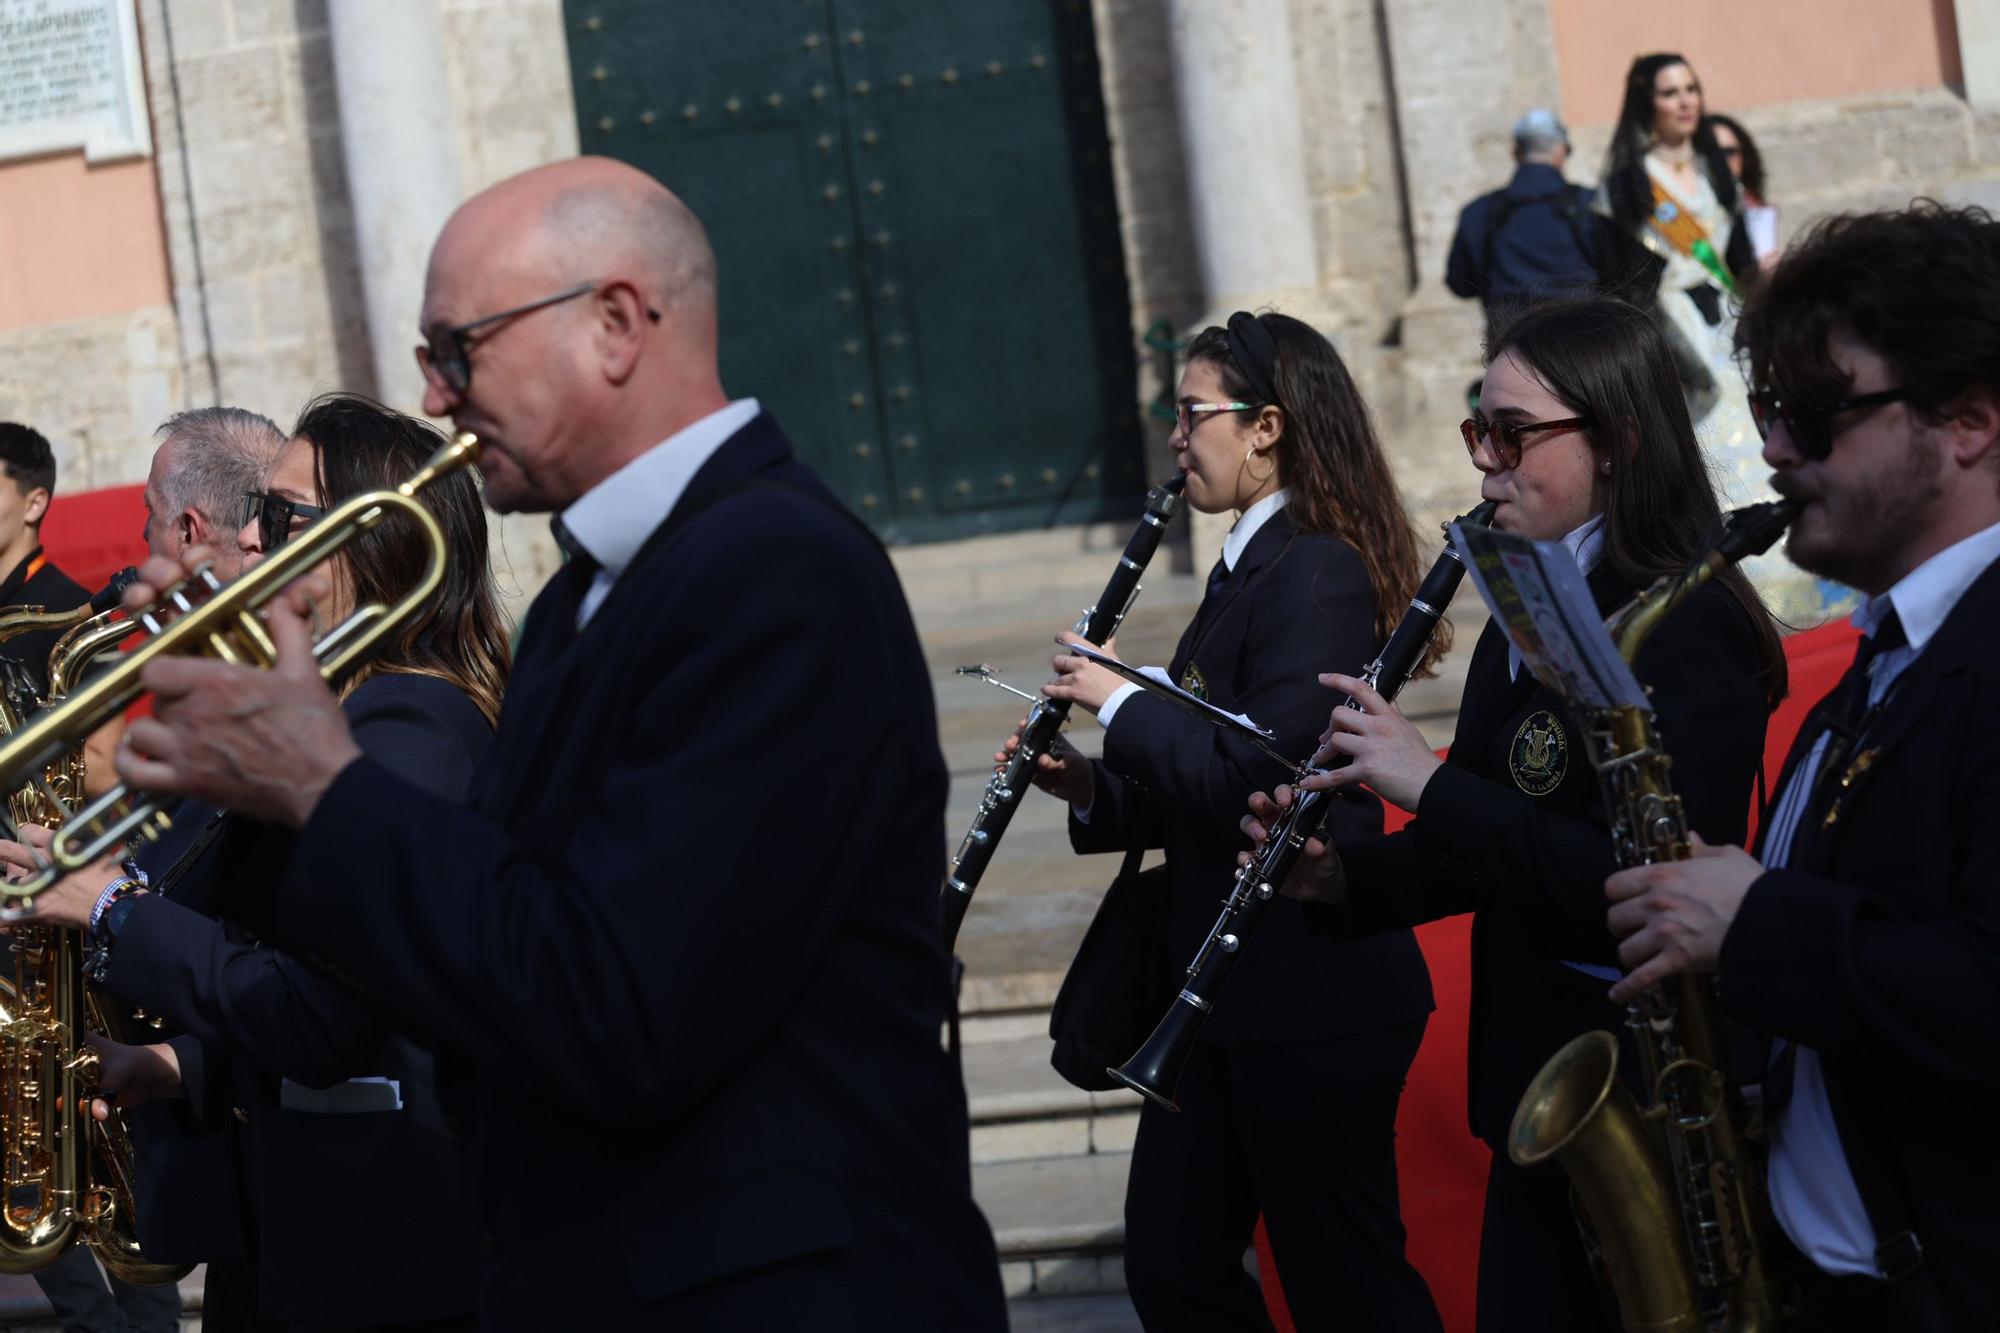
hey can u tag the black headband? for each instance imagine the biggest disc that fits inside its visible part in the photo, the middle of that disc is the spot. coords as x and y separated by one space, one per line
1255 354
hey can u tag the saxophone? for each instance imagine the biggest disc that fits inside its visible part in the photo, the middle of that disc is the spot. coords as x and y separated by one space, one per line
66 1177
1672 1197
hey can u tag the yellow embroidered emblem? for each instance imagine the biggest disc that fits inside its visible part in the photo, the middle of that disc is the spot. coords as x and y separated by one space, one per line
1194 682
1539 755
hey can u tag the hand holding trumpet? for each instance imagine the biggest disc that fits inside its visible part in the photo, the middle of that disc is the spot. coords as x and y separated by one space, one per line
266 744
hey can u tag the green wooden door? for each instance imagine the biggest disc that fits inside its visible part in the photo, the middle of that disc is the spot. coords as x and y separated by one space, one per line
913 216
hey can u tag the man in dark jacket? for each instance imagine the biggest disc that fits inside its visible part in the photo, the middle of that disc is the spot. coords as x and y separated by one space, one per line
719 1013
1533 240
1861 936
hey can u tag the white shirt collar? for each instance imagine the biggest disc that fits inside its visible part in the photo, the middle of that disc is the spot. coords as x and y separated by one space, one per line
612 519
1246 527
1586 543
1923 597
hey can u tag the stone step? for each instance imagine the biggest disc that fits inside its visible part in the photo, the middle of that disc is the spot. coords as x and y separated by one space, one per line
1106 1312
1058 1222
1021 1109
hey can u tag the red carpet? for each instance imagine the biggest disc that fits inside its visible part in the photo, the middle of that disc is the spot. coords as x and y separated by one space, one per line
1443 1167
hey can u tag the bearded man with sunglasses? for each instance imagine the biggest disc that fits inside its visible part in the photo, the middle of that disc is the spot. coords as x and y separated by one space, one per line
696 1029
1864 934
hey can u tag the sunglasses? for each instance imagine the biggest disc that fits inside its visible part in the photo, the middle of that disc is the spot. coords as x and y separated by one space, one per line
1188 415
445 355
274 515
1810 426
1508 437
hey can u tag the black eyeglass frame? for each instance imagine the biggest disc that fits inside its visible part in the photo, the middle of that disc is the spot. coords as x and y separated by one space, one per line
449 355
273 515
1811 427
1506 435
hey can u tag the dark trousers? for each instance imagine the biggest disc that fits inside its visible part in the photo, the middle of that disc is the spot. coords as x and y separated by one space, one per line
1307 1136
89 1300
1533 1273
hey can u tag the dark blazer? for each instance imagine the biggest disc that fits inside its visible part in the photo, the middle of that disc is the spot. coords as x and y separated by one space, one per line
1535 240
1531 864
50 589
696 988
1876 946
1295 605
334 1184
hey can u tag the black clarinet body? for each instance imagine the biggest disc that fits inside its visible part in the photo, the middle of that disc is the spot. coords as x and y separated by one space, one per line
1155 1069
1005 789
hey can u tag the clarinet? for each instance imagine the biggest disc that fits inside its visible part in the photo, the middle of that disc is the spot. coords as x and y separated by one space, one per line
1155 1070
1005 788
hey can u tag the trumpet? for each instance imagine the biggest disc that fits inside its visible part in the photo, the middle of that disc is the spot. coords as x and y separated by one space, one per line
203 617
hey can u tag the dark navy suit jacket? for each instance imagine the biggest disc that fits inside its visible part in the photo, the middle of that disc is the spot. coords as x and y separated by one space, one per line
1296 604
332 1198
1879 946
684 940
1513 829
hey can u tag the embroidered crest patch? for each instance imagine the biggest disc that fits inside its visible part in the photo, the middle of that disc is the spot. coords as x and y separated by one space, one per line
1540 754
1194 682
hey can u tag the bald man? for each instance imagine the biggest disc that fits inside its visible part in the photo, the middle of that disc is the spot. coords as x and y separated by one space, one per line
697 1013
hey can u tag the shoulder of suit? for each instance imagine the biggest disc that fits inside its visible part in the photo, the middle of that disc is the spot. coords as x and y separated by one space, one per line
406 692
54 590
1316 556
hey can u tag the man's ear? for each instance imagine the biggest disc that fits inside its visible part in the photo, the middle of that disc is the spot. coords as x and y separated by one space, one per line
191 528
1972 427
622 323
35 505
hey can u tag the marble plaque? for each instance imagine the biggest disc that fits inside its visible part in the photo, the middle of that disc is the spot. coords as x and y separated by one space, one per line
70 78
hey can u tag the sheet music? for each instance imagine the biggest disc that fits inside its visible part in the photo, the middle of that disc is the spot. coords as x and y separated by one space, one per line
1156 682
1543 603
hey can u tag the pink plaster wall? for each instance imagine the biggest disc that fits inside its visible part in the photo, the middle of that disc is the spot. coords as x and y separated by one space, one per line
77 241
1754 52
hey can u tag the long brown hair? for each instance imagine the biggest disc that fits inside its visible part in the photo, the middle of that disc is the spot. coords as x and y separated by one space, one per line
360 445
1331 462
1608 363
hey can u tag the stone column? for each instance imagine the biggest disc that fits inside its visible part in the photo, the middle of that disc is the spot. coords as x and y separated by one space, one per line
1463 71
398 138
1239 121
1978 24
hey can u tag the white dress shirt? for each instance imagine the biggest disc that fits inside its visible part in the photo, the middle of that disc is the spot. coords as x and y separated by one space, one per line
1812 1188
612 519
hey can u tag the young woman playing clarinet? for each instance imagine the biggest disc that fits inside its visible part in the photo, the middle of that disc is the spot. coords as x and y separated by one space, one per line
1289 1099
1583 438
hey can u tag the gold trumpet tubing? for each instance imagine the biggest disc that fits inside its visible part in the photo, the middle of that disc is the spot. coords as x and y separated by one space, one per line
197 625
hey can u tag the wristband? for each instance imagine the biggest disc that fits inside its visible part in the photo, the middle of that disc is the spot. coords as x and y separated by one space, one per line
117 888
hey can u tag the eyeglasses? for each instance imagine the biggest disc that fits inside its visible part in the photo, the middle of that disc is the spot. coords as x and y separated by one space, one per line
445 355
1506 435
1810 426
1185 414
274 514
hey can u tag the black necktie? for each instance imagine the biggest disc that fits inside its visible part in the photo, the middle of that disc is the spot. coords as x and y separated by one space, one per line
567 588
1844 718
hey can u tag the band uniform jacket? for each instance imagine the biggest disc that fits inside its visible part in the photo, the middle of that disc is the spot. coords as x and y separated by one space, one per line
1296 604
683 944
51 590
1513 829
1879 947
359 1211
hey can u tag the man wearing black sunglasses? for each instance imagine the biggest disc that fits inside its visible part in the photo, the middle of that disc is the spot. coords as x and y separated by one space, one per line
1864 936
730 1014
